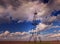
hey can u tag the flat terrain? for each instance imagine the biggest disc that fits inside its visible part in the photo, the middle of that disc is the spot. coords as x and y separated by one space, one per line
19 42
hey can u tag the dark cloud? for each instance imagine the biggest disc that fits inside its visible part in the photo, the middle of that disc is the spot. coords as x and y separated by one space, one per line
2 3
33 0
14 3
4 20
22 11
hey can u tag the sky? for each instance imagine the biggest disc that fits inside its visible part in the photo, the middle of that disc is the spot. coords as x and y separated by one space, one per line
19 18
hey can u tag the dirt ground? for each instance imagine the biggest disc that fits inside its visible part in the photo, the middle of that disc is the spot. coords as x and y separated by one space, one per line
24 42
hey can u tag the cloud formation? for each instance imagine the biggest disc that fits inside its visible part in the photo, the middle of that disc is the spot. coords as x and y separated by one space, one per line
22 7
22 12
28 10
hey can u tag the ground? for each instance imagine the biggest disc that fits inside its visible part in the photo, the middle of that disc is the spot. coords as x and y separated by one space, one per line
19 42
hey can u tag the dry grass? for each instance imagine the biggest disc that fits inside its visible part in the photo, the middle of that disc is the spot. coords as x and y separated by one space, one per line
20 42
